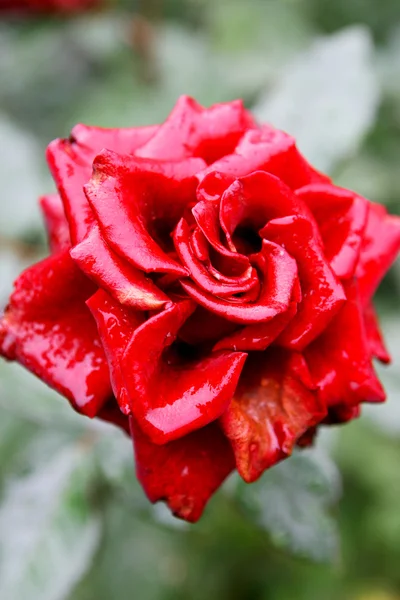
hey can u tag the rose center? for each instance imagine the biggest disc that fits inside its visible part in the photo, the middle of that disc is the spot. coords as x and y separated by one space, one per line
246 240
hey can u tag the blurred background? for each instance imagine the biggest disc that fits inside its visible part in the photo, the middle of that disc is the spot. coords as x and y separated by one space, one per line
74 524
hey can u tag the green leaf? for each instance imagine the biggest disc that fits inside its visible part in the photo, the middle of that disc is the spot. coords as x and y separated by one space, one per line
135 560
48 532
327 98
291 502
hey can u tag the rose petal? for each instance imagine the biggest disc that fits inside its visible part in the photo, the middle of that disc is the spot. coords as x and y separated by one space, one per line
192 130
374 335
258 336
204 326
340 359
342 217
212 186
116 326
184 473
56 223
379 249
256 199
206 214
70 162
111 414
125 283
170 397
322 293
270 411
48 328
128 196
124 140
199 272
279 277
341 413
271 150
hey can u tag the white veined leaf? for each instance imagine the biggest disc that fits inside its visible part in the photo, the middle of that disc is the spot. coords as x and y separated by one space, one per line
389 64
327 98
291 502
21 180
48 534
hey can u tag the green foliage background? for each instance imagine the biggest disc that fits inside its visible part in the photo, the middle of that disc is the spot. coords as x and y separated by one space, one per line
74 524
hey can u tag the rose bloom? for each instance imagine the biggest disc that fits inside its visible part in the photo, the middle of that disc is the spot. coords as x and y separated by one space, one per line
46 6
208 291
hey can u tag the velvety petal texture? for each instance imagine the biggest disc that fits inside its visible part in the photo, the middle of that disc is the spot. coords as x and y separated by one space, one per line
208 291
48 328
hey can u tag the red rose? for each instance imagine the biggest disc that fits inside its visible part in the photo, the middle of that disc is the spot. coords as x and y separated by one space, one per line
212 284
46 6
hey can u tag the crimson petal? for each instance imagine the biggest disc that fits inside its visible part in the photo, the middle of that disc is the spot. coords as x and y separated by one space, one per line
48 328
340 359
342 217
271 150
116 326
169 399
192 130
206 214
124 140
279 272
56 223
199 272
272 408
258 336
374 336
322 293
204 326
70 162
125 192
127 284
256 199
379 249
183 473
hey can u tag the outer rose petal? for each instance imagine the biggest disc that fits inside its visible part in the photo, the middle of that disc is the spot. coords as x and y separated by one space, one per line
109 271
70 162
374 336
342 217
49 330
116 325
111 414
184 473
340 359
270 411
379 249
192 130
322 293
124 140
341 413
56 223
271 150
168 397
129 196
